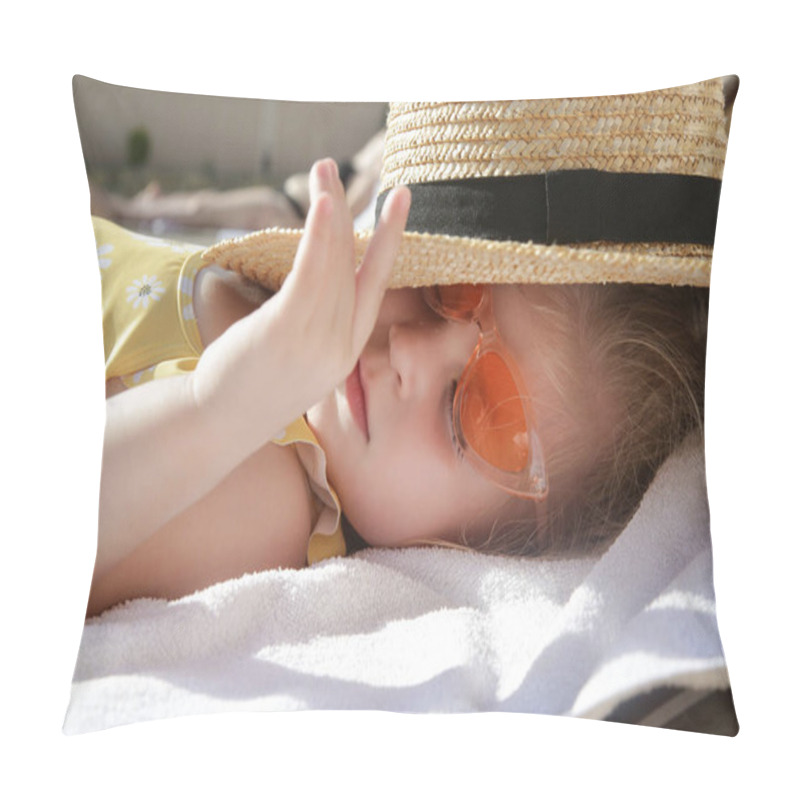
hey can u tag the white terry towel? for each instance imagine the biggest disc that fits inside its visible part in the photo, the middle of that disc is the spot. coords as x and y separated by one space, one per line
428 629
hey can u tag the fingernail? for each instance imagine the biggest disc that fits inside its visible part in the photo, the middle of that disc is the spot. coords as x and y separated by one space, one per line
405 196
327 171
321 169
400 198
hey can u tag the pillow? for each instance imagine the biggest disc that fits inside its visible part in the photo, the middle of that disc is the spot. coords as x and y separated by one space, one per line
568 570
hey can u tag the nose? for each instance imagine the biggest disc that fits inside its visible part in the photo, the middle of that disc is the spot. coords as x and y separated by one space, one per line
428 356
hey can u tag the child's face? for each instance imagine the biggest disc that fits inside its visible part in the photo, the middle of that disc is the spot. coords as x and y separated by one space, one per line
402 480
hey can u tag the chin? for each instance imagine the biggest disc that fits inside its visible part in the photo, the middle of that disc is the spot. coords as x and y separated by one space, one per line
378 530
370 522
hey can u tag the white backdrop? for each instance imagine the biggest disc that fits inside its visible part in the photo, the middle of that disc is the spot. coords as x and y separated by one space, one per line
53 409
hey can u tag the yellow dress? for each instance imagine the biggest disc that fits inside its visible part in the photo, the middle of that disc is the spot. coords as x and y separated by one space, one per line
150 332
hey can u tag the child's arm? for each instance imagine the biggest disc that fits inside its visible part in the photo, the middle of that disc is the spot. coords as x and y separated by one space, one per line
276 363
170 442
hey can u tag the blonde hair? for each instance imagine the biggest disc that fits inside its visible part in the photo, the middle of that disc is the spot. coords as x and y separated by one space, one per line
630 387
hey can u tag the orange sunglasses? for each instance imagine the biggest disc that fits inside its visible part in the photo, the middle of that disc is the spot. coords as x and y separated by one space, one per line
493 415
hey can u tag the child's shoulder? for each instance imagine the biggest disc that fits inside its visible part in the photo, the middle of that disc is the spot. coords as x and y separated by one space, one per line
221 298
267 498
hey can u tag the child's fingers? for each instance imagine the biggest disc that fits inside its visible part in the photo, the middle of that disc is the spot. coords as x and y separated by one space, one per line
308 271
332 305
324 180
338 284
319 178
384 245
321 284
342 254
379 259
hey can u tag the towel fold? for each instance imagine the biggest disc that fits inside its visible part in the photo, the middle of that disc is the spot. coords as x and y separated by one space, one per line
428 629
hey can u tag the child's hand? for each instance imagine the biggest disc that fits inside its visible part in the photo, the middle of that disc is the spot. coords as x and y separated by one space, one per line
275 364
329 308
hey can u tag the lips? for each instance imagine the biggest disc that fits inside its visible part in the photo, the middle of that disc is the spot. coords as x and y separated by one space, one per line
357 400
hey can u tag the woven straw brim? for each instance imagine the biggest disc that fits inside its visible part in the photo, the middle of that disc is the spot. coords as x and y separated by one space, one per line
678 131
266 257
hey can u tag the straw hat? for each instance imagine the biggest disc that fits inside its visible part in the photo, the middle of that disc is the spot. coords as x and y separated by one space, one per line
586 190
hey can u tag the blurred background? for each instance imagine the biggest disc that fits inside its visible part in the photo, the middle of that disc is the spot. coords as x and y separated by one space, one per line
203 167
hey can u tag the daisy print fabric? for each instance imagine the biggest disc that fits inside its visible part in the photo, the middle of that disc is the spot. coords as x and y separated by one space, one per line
144 291
149 323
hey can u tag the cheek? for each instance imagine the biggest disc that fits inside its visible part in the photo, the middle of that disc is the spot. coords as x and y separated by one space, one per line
391 496
403 487
409 498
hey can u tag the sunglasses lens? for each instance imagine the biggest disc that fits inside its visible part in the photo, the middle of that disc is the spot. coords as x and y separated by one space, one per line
492 416
455 302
